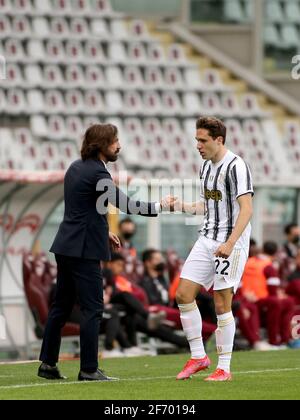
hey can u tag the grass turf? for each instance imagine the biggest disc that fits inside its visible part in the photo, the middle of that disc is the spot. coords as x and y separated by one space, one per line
264 376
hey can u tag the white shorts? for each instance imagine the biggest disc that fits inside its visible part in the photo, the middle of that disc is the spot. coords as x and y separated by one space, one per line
202 266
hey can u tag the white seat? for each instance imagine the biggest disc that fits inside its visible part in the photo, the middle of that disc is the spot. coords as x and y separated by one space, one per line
57 128
38 125
139 30
119 30
93 102
14 77
213 81
153 126
41 28
55 52
89 121
33 75
156 54
193 79
99 28
54 102
250 106
211 104
53 77
292 11
21 27
171 104
117 53
74 76
94 53
22 7
102 7
23 136
154 78
79 28
61 7
44 8
234 12
191 104
133 126
153 104
133 104
14 51
74 102
6 7
68 151
94 77
173 78
114 103
59 28
81 8
36 102
137 53
74 52
16 102
274 11
176 55
230 104
133 78
171 126
290 36
114 77
36 51
5 27
272 36
74 128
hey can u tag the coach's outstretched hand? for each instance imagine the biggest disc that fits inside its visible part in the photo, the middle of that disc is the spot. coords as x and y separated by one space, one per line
168 203
115 242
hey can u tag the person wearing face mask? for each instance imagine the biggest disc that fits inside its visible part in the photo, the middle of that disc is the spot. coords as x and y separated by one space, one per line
289 251
127 230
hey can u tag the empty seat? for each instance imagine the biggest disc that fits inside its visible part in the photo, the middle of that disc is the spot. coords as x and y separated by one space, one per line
274 11
154 78
176 55
74 76
79 28
5 27
16 102
212 80
38 125
74 128
62 7
21 27
133 78
117 53
74 52
114 103
81 8
94 77
54 102
171 104
99 28
14 76
93 102
59 28
102 7
23 136
114 77
272 37
55 51
139 30
14 51
94 53
53 77
41 28
156 54
234 11
153 104
192 104
137 53
292 11
33 75
36 102
173 78
290 36
44 7
119 30
74 102
192 79
57 128
133 104
22 7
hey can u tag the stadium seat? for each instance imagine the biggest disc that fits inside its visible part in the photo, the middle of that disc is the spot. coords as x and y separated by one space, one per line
13 51
137 53
55 52
117 53
81 8
133 103
56 128
114 103
38 125
174 79
193 80
99 29
41 28
74 102
53 77
22 7
74 77
93 102
43 8
119 30
79 28
54 102
74 128
74 52
14 77
94 53
139 30
156 54
290 37
16 102
62 7
36 102
133 78
192 105
21 27
60 29
292 11
274 11
153 104
154 78
5 27
114 77
171 104
234 11
94 78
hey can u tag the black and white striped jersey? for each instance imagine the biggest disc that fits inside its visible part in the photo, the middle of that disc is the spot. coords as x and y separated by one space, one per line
221 185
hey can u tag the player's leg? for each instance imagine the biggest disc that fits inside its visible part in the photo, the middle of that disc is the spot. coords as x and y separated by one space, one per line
225 334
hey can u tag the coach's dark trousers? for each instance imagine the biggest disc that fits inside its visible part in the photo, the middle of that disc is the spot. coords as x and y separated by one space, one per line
77 280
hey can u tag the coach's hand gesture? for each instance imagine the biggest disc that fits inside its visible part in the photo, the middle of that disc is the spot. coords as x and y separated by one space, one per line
115 242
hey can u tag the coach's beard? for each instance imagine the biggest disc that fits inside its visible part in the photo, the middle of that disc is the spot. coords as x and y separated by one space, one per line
113 158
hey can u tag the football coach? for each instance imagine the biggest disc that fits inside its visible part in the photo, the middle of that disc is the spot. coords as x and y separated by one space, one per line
83 240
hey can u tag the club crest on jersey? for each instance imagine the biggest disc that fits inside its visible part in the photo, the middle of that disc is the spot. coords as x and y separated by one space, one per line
215 195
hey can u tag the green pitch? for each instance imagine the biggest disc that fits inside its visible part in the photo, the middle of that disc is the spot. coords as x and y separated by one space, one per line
274 375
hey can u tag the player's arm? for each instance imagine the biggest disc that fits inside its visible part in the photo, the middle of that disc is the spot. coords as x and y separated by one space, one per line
244 218
195 209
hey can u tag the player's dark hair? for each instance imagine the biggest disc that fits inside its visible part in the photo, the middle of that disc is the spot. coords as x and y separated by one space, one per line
148 254
117 257
289 228
215 127
126 221
270 248
97 139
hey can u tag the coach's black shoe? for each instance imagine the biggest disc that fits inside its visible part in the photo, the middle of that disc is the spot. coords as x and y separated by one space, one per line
50 373
99 376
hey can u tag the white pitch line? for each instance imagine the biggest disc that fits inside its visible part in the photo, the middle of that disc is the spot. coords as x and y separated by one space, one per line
49 384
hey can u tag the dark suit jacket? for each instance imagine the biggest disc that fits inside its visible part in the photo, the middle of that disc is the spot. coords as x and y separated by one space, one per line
84 233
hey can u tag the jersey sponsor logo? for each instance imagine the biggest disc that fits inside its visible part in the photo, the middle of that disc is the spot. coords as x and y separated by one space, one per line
215 195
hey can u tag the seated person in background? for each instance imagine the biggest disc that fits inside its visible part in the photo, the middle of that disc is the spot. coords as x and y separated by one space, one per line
293 287
289 251
261 285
